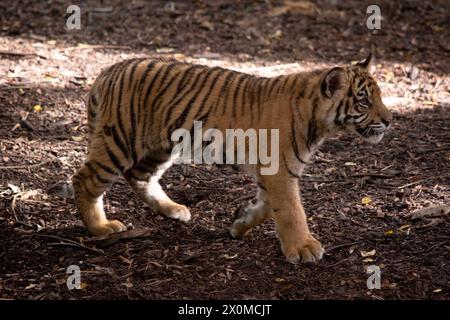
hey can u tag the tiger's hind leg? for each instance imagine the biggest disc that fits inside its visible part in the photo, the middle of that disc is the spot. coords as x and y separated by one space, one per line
89 184
143 178
254 214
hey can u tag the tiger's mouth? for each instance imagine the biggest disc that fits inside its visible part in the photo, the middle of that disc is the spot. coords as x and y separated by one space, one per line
371 135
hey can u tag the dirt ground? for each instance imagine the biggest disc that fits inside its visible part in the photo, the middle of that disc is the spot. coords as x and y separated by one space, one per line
359 198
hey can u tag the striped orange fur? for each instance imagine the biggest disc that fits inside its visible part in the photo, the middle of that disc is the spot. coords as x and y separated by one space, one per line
134 106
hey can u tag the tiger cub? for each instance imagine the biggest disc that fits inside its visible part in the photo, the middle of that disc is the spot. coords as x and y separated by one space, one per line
135 105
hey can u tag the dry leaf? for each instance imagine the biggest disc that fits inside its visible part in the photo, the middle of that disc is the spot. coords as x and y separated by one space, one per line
125 260
128 284
14 189
83 285
77 138
365 254
404 227
30 286
299 6
228 257
366 201
438 29
111 238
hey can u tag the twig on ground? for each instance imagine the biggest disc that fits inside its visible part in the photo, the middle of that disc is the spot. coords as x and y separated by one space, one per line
69 242
19 54
433 150
94 46
338 263
26 166
341 245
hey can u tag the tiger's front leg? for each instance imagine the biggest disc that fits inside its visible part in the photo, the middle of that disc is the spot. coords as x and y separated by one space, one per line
296 240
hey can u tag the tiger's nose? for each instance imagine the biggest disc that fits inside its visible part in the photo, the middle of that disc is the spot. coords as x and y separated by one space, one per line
387 123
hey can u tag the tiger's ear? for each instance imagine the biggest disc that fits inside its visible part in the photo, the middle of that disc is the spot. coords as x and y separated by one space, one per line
366 63
332 82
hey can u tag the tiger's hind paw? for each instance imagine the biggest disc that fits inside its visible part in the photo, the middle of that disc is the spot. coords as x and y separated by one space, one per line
178 212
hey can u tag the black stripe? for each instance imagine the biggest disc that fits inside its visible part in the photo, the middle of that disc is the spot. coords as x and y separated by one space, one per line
348 117
258 93
252 97
347 105
303 87
104 167
148 92
175 104
110 92
338 113
272 86
133 118
291 173
350 92
244 96
142 82
119 121
363 119
265 88
112 132
95 173
148 69
294 143
312 126
184 115
133 175
210 90
93 99
237 89
186 79
282 86
261 186
294 84
92 113
180 93
113 158
84 185
159 97
223 92
311 92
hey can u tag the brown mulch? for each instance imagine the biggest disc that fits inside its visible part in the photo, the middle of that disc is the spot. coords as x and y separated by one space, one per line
46 72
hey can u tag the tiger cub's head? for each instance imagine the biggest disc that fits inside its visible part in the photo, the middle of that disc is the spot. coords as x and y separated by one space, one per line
360 108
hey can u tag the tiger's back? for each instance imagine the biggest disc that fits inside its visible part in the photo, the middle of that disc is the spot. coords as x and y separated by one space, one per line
140 102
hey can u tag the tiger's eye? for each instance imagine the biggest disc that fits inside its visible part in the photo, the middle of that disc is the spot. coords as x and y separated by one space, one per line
364 102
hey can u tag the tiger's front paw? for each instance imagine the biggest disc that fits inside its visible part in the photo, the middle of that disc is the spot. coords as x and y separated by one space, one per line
107 227
308 250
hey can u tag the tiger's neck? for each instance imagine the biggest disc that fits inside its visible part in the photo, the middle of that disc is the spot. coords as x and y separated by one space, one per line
310 118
